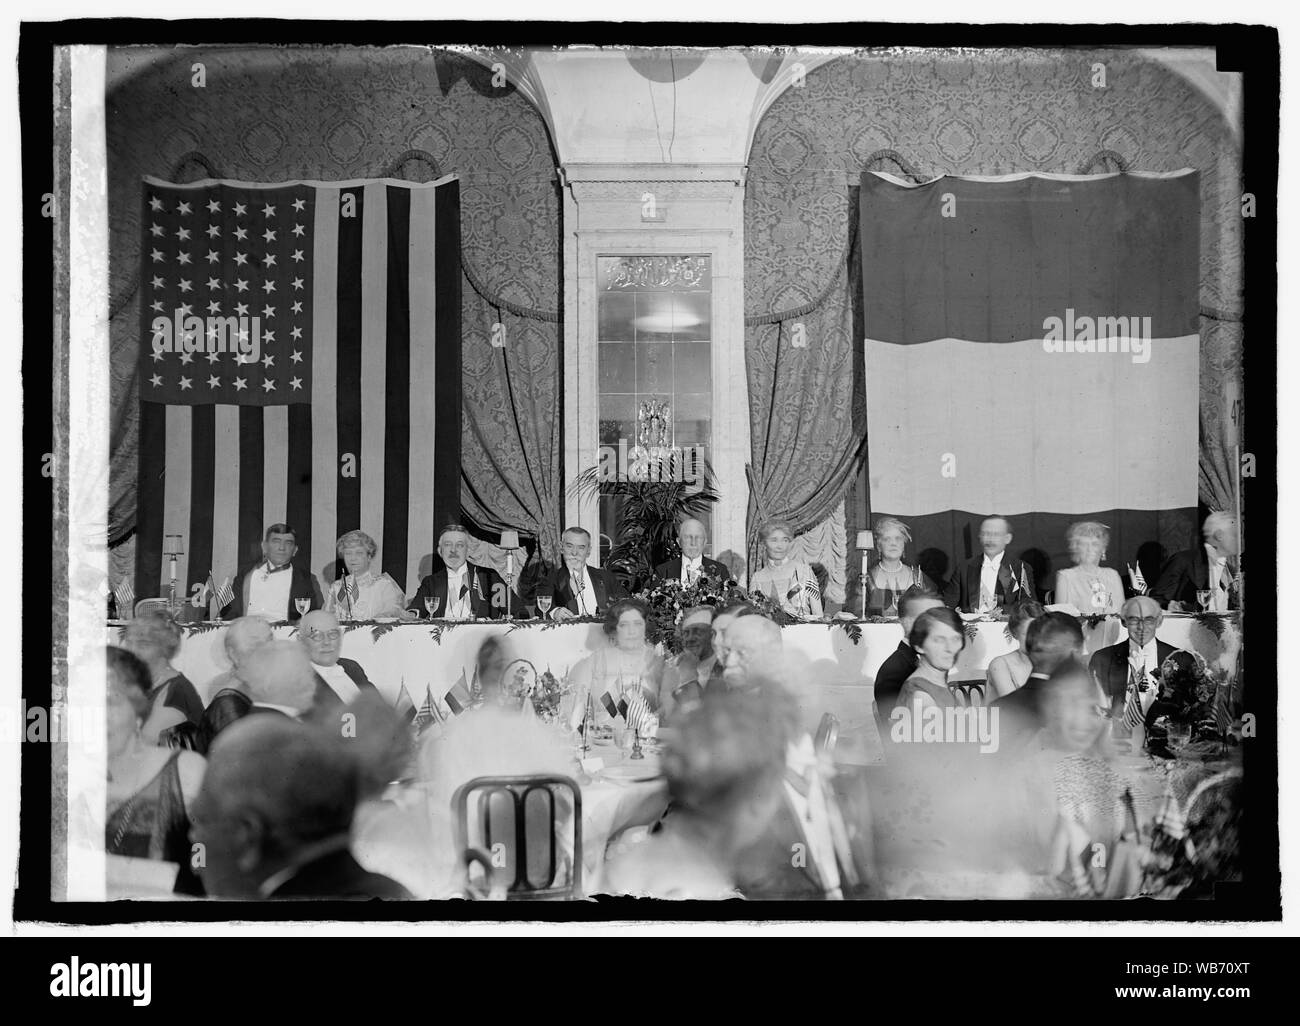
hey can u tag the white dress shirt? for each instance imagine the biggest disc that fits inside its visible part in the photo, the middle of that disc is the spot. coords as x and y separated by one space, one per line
586 597
989 582
1144 662
458 608
268 593
692 569
1219 578
814 819
339 682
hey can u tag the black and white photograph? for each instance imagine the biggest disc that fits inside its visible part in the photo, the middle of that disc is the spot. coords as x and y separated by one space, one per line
642 472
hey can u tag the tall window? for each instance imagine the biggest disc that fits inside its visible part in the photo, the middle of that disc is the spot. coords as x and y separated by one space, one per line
655 322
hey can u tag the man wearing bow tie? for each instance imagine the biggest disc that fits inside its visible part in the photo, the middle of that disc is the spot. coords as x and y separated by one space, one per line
1212 567
994 579
693 563
273 586
576 588
1129 672
461 590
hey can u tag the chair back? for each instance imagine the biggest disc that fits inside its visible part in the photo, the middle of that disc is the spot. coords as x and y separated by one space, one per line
968 692
828 732
185 735
149 605
522 845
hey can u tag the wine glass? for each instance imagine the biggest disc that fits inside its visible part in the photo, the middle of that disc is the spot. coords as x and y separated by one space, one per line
1177 736
303 605
543 603
431 604
1203 599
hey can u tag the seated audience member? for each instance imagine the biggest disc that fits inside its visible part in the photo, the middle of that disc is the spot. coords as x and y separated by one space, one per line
994 579
901 663
150 789
229 699
338 681
155 639
1188 572
628 665
281 681
275 815
577 589
755 652
1008 672
1088 586
788 580
692 564
938 638
696 630
1052 639
361 594
1128 673
890 577
460 590
273 587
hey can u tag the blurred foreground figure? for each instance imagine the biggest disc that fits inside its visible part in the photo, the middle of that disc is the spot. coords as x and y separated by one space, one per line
274 816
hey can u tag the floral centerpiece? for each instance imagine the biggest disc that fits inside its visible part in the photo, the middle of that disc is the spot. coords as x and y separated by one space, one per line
1189 693
669 599
521 683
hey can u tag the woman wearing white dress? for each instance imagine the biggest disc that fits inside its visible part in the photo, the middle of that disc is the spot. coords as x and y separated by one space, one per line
787 580
361 594
621 669
1088 586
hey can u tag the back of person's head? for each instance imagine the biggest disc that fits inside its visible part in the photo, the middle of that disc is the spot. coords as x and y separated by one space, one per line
246 634
913 602
1022 613
131 677
1052 639
279 673
376 741
274 786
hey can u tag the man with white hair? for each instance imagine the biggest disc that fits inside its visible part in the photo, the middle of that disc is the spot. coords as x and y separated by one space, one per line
692 564
280 680
1210 567
227 693
1128 673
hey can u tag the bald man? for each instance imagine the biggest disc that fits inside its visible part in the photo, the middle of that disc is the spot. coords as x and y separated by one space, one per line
1134 661
339 681
274 816
692 563
227 694
754 652
279 680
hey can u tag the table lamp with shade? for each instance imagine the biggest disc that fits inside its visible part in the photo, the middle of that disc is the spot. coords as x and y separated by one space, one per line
509 542
172 549
864 545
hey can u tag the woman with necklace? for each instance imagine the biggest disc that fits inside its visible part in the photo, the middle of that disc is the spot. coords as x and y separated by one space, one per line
150 789
155 639
1088 586
627 666
788 580
890 577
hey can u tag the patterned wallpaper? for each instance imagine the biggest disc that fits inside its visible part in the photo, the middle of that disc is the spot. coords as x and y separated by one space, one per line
994 112
271 114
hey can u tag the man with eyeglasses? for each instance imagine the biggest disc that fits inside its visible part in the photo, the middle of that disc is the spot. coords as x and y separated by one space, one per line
339 681
1128 672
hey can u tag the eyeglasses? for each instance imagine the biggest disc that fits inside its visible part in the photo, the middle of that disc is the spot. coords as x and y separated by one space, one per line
1142 621
333 635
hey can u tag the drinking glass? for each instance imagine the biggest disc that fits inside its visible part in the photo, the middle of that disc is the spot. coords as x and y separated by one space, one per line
303 605
543 604
431 603
1203 599
1178 736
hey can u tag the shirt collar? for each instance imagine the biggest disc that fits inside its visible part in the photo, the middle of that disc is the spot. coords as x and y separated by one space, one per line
1211 556
1147 651
693 563
458 573
329 671
994 560
294 713
267 568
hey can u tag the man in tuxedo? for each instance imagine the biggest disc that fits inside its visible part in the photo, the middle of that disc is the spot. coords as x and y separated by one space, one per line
1188 572
274 816
338 682
462 590
692 563
273 586
1135 661
1053 640
902 662
995 578
576 588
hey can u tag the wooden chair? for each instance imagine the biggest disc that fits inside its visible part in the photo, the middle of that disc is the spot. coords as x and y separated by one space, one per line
512 853
967 690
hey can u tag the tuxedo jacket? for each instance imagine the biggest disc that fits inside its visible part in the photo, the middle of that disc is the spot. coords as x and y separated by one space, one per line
487 593
326 701
608 590
304 586
963 588
338 875
671 570
1184 575
1109 668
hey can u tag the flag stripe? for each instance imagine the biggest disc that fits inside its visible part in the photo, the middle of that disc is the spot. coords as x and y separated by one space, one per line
324 414
148 510
348 358
395 388
447 317
275 432
373 379
424 437
176 492
225 521
202 494
297 506
252 449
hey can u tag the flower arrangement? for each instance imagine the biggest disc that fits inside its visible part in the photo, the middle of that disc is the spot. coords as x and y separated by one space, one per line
1188 689
548 694
521 683
669 599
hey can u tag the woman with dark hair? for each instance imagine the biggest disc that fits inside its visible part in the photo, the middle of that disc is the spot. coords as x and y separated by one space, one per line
628 665
150 789
1008 672
154 638
938 638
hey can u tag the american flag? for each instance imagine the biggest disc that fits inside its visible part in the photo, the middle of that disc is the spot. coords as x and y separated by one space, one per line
300 364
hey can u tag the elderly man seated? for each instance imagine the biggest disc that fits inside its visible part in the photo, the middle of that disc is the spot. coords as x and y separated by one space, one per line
228 694
338 681
274 815
461 590
1189 573
692 563
1128 673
